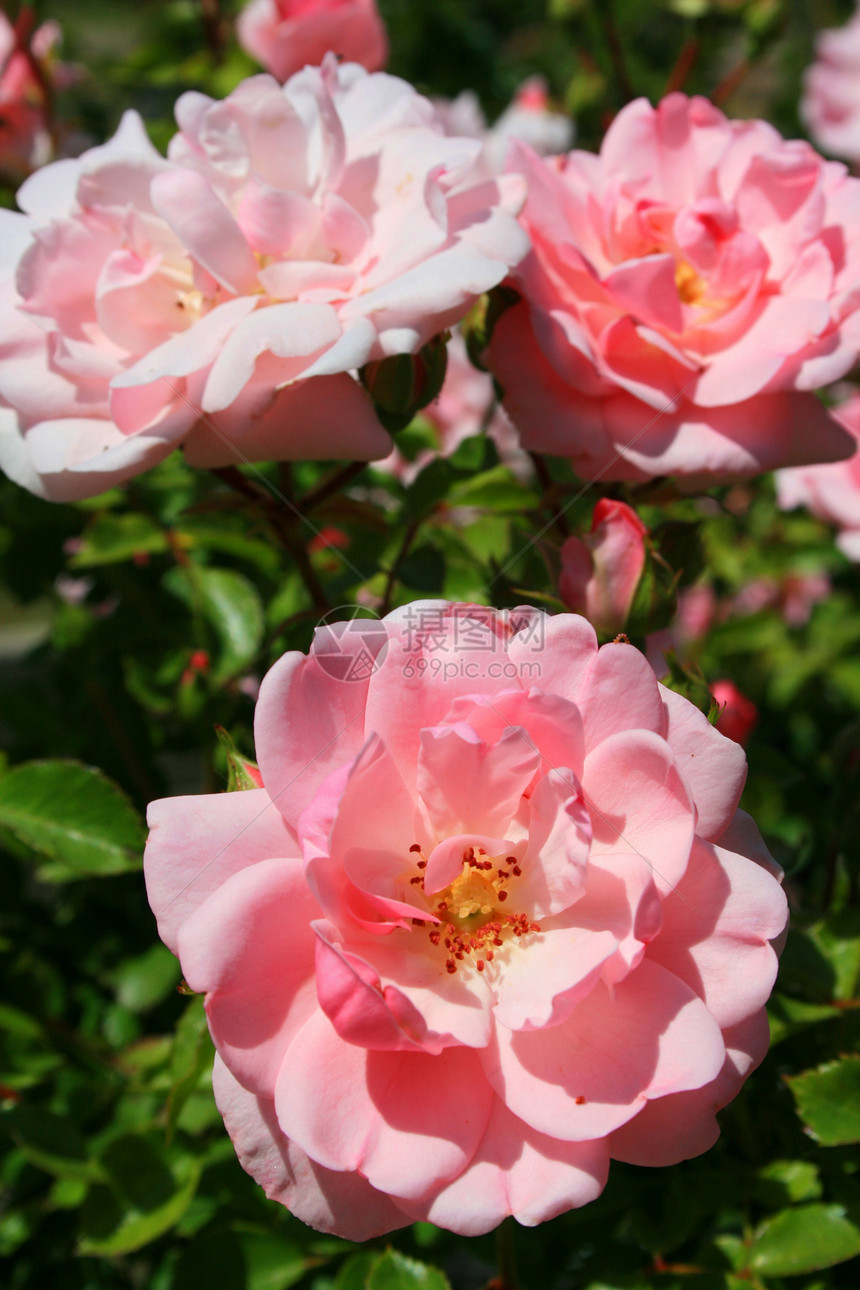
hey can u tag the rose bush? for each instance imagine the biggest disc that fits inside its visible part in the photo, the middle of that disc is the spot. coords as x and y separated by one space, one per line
830 106
493 919
832 492
600 572
293 234
687 289
285 35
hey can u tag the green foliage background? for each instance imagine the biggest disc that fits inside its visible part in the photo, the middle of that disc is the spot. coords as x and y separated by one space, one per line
115 1169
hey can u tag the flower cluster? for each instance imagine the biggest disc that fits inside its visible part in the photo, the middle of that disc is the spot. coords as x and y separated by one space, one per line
223 297
482 928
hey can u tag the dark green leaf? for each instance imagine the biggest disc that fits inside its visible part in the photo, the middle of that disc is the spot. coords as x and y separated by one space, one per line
395 1271
52 1142
828 1101
804 1239
73 815
146 1194
242 1258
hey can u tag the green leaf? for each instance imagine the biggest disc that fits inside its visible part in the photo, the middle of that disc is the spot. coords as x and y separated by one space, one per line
51 1142
789 1016
785 1182
804 1239
191 1056
146 1194
838 939
395 1271
828 1101
143 981
355 1271
73 815
112 539
493 490
230 603
244 1258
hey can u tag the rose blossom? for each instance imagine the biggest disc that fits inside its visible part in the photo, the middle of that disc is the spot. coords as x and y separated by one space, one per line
688 288
493 919
831 492
600 572
293 234
284 35
738 714
830 106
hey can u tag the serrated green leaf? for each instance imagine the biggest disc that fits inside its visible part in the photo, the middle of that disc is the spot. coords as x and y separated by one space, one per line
146 1194
828 1101
395 1271
73 815
804 1239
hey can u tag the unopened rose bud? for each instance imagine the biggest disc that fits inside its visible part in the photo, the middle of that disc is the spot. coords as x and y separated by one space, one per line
738 714
403 384
600 573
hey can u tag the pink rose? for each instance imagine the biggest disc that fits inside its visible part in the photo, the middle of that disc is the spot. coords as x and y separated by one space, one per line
830 106
294 234
831 492
463 407
493 919
285 35
738 714
600 573
688 288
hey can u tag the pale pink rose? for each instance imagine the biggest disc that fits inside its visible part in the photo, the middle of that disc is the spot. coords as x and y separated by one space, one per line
493 919
697 607
738 714
688 288
831 492
286 35
600 572
529 117
465 405
294 234
800 593
830 106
